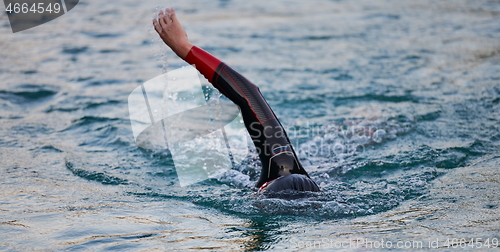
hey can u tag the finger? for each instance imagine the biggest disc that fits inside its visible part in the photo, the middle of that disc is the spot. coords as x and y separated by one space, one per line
157 26
173 16
161 19
167 16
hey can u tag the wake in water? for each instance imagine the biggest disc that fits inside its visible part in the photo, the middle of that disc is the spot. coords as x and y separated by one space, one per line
329 156
332 144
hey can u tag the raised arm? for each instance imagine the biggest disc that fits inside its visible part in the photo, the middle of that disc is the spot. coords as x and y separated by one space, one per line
268 135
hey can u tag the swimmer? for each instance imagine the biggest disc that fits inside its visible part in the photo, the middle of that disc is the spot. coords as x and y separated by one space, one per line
281 170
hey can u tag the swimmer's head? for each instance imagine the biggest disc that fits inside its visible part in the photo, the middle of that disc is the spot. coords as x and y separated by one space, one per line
281 165
295 182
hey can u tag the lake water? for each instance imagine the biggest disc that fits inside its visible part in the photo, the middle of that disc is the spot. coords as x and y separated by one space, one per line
392 105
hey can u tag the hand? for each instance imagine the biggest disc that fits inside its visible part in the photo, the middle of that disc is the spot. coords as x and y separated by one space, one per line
172 33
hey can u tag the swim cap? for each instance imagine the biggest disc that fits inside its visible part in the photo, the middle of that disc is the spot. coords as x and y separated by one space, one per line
295 182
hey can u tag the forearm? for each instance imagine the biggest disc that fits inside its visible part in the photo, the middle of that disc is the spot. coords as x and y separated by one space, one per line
205 62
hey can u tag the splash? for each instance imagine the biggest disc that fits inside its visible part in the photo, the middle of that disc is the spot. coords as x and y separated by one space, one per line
337 141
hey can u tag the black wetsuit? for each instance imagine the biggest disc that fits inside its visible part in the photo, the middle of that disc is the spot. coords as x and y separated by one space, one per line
267 133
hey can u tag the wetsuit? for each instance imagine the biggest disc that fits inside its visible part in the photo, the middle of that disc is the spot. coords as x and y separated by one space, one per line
267 133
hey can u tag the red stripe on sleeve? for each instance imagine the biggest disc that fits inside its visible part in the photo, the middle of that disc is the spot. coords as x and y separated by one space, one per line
205 62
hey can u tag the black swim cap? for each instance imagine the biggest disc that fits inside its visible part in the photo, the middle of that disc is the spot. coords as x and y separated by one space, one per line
295 182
